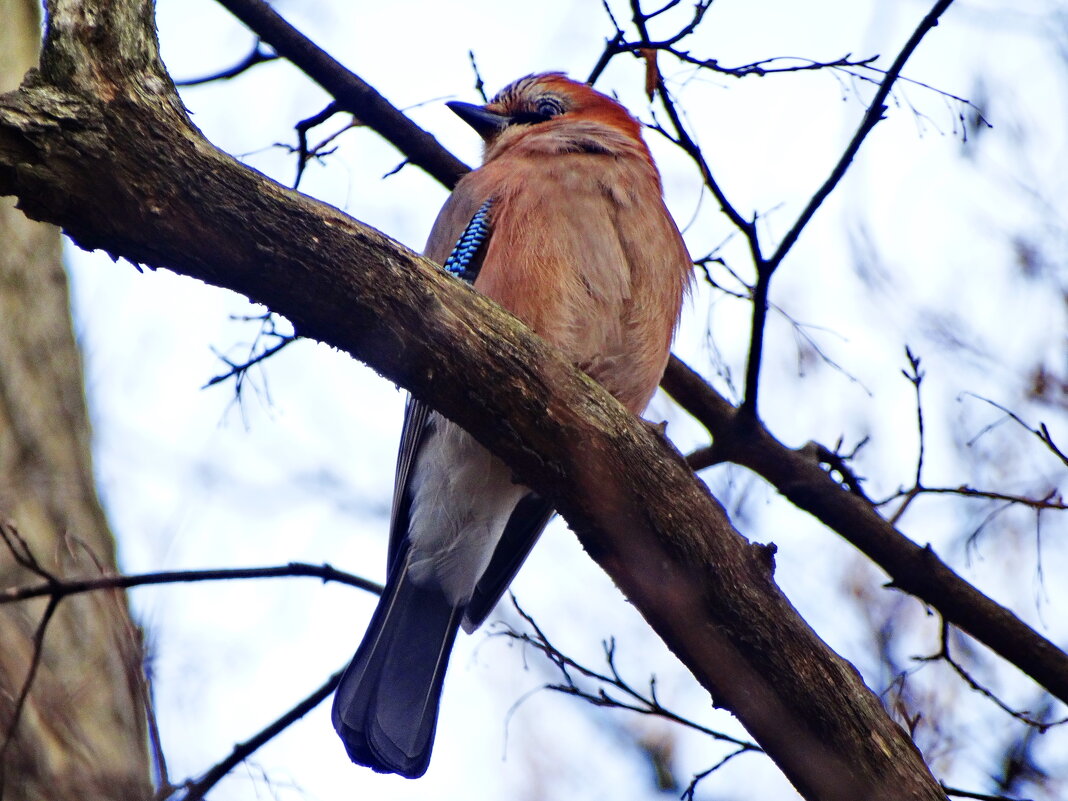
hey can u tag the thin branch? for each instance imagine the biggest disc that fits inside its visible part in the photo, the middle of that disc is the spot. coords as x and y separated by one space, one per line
196 790
349 90
915 376
764 267
1042 431
155 741
688 794
838 462
27 684
765 270
644 704
61 588
846 64
302 128
640 19
480 85
944 655
239 370
257 56
1052 500
763 66
874 114
56 589
20 551
957 793
682 139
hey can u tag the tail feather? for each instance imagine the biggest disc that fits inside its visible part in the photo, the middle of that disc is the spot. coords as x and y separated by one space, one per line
386 705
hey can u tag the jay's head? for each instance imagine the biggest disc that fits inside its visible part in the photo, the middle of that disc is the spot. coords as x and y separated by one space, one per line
548 104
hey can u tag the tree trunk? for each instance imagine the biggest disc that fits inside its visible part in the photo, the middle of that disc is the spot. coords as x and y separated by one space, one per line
80 731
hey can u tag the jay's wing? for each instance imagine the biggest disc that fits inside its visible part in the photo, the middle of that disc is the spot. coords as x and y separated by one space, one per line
531 514
529 519
417 423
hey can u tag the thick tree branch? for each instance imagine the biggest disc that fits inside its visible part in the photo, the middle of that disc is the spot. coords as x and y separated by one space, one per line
99 144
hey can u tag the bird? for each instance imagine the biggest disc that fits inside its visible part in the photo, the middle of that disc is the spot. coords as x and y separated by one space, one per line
565 226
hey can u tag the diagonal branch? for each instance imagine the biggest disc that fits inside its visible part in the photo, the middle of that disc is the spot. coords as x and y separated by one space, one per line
913 569
872 117
765 270
349 90
197 790
257 56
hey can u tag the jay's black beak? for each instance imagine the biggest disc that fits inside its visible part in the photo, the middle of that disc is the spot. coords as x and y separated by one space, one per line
486 123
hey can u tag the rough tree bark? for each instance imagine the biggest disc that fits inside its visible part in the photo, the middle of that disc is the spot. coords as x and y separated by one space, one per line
81 733
99 143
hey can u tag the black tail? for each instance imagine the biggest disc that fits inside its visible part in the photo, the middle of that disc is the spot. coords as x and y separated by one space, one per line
386 706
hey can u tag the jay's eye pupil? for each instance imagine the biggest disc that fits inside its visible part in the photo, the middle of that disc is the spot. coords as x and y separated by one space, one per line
549 107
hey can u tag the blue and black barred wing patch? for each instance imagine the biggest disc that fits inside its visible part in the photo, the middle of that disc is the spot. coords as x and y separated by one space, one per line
466 256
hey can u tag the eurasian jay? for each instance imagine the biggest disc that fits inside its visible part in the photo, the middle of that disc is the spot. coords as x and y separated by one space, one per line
564 225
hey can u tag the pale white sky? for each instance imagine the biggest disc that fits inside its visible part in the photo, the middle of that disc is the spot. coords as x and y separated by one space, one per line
190 479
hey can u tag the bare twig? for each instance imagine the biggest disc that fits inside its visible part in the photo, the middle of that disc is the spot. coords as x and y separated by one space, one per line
764 266
943 655
56 589
20 550
239 370
480 85
641 20
854 68
351 92
304 155
257 56
642 703
196 790
24 691
957 793
1042 431
1052 500
60 588
838 462
875 113
915 376
692 787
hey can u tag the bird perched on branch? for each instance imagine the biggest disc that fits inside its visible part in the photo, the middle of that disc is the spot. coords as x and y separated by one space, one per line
564 225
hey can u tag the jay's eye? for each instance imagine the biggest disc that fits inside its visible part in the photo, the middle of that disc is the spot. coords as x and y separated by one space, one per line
544 109
549 107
